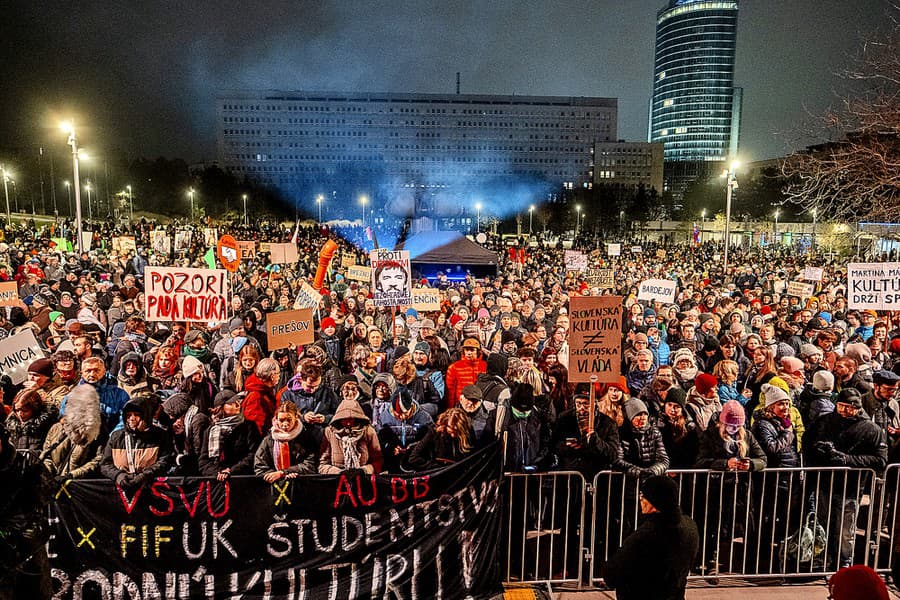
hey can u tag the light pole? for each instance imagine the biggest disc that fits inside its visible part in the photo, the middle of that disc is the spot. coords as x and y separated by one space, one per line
577 219
319 200
730 186
702 222
478 217
191 195
530 215
363 200
73 142
776 225
69 195
815 215
6 193
87 186
246 222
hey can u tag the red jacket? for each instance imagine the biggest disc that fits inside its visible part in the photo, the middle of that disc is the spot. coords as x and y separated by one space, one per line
460 374
259 404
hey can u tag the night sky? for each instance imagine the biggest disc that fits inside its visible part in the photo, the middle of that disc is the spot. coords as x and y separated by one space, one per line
141 77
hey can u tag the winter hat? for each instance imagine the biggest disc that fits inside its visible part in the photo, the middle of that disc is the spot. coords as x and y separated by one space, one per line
649 312
522 397
849 396
497 364
411 312
176 405
42 366
895 345
858 582
193 335
704 383
427 324
385 378
879 377
507 336
711 344
54 315
344 380
483 313
677 395
859 351
823 381
400 352
223 397
662 493
423 347
621 383
780 383
810 350
732 414
770 394
680 354
472 392
454 320
82 423
471 342
190 366
235 324
792 364
633 408
328 322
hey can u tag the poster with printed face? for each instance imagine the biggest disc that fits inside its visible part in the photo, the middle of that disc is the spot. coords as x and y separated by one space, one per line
17 352
595 338
391 277
307 297
283 254
575 261
614 249
800 289
290 327
9 294
210 236
123 245
183 294
873 285
426 299
359 273
182 240
660 290
161 243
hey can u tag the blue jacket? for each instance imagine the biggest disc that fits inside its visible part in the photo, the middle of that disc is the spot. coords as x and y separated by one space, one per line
112 401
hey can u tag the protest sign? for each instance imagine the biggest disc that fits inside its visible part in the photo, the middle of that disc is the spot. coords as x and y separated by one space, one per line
307 297
595 338
290 327
800 289
210 236
660 253
660 290
248 249
359 273
575 260
182 240
123 245
228 253
16 353
636 250
160 242
9 294
347 260
391 278
600 278
813 273
344 536
614 249
280 254
873 285
183 294
87 237
61 244
426 299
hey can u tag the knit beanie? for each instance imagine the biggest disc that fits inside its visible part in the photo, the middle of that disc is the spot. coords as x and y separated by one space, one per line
858 582
633 408
677 395
328 322
770 394
732 414
423 347
190 366
177 405
823 381
522 397
662 493
704 383
792 364
859 351
780 383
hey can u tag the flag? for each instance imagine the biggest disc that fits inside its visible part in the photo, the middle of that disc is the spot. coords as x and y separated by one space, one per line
696 234
369 234
210 258
296 233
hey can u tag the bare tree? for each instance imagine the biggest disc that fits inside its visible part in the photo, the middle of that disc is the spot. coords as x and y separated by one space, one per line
857 174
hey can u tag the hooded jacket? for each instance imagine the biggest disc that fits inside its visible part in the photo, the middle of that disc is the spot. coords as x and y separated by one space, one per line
331 454
140 382
259 404
302 451
30 434
152 451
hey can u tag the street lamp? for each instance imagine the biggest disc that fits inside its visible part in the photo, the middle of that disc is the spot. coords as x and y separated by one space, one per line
530 215
319 200
6 193
69 128
363 200
191 195
69 194
246 222
815 215
702 223
130 201
776 225
730 187
577 218
477 217
87 186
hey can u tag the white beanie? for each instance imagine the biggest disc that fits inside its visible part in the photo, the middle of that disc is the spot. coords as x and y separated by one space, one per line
773 394
190 366
823 380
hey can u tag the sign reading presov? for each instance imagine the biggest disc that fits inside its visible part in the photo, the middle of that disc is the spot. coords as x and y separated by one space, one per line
359 273
813 273
426 299
575 260
614 249
391 277
290 327
9 294
661 290
182 294
595 338
16 353
800 289
600 278
280 254
307 297
873 285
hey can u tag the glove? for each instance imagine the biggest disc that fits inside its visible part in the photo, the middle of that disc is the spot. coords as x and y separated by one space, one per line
838 457
59 480
121 479
824 448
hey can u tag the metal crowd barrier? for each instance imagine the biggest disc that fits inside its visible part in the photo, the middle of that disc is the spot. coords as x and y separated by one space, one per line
781 523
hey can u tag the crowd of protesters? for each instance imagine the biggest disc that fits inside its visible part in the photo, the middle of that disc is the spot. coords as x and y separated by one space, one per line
733 375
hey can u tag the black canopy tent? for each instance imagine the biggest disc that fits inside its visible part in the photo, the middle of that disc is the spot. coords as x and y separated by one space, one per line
450 252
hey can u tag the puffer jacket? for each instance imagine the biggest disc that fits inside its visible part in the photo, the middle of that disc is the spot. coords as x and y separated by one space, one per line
714 456
813 403
641 451
302 450
459 375
152 448
30 434
778 442
528 443
259 404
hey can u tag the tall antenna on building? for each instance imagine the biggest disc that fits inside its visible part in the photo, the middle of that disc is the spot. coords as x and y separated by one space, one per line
457 82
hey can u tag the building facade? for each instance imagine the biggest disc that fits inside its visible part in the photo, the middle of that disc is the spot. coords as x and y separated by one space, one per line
695 108
339 144
629 165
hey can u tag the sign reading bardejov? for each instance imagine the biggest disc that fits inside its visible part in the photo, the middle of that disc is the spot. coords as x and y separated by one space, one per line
183 294
873 285
661 290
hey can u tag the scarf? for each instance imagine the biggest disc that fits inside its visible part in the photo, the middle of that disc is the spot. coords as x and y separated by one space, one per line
188 418
220 430
349 439
281 448
198 354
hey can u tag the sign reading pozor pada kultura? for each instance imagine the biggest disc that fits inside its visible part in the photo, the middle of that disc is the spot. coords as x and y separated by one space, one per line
183 294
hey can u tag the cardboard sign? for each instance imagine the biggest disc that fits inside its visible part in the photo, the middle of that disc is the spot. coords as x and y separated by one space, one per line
160 242
17 353
307 297
800 289
600 278
248 249
426 299
86 238
614 249
813 273
347 260
281 254
9 294
359 273
182 240
210 236
873 285
636 250
228 253
575 260
595 338
660 253
123 245
290 327
661 290
391 277
183 294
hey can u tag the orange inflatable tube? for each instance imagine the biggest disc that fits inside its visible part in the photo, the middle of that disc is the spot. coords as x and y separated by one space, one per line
325 255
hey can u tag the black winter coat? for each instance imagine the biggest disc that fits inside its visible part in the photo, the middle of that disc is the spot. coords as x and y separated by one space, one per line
714 456
235 451
856 442
302 450
595 453
528 443
682 452
779 443
641 451
812 404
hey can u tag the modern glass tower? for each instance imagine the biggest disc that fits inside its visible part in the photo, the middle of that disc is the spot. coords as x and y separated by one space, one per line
695 109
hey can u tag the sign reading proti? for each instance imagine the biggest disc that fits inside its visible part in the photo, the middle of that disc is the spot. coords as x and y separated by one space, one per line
182 294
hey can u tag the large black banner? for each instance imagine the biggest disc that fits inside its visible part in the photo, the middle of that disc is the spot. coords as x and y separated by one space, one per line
429 535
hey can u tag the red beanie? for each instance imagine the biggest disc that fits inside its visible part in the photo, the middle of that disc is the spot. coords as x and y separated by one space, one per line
328 322
454 320
704 382
858 582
